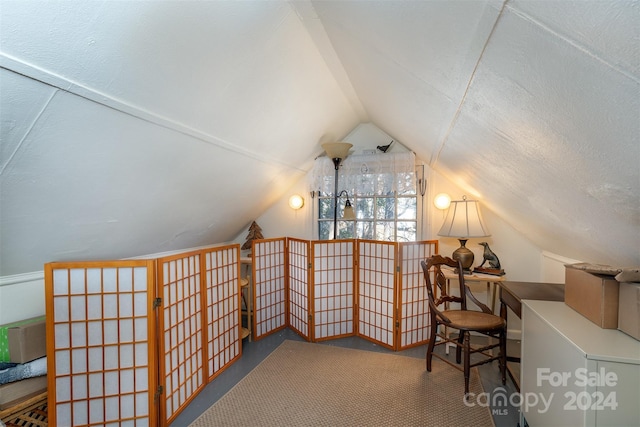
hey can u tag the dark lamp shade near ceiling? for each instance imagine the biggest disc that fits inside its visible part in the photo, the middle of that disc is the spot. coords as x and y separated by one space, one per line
464 220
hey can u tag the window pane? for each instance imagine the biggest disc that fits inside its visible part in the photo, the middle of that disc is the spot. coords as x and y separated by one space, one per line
325 231
345 230
364 208
407 231
385 230
385 208
365 230
407 208
325 208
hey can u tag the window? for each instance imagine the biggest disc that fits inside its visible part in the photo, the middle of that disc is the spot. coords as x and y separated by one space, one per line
388 217
382 191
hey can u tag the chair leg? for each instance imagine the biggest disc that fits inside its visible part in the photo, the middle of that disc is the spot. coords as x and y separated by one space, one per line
432 342
461 336
467 360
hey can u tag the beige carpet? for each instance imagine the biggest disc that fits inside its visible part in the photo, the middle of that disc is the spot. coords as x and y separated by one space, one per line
305 384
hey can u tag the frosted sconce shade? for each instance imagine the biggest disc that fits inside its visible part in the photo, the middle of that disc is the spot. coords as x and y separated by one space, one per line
349 214
296 202
442 201
337 150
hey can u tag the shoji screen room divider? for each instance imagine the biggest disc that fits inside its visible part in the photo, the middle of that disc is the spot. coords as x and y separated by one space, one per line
331 289
131 343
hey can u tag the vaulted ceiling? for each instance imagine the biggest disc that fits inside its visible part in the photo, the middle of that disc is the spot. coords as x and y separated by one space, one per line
132 128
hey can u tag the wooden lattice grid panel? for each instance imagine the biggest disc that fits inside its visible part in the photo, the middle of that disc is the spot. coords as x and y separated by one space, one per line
101 343
181 336
376 291
333 289
414 306
299 286
269 284
222 284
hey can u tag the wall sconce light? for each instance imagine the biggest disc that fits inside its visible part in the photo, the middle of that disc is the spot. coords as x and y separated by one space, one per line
348 214
296 202
442 201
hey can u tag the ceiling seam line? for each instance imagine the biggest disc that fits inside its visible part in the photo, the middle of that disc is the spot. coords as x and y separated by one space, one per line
434 160
92 95
573 43
28 132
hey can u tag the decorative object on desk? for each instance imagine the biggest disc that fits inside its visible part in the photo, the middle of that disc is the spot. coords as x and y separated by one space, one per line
494 263
296 202
337 151
384 148
491 271
463 221
255 233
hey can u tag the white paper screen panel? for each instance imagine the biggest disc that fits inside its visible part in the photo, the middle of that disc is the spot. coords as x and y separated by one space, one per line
299 286
222 286
376 291
414 306
269 274
182 352
101 343
333 305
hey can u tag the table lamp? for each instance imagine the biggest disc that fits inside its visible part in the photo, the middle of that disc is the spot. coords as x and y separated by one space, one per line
464 221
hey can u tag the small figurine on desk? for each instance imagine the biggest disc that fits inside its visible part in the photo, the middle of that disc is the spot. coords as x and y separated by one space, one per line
493 261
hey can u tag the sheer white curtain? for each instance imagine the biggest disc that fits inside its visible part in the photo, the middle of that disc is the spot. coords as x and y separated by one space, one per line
367 174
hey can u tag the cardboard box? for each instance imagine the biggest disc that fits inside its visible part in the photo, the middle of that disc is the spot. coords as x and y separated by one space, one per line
595 296
629 309
12 394
23 341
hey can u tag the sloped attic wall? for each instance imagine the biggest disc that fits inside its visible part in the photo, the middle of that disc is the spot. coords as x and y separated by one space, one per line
531 106
132 128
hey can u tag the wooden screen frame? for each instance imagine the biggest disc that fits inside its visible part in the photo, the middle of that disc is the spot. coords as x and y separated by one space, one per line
413 305
299 286
377 286
268 285
224 348
99 344
410 318
179 279
332 289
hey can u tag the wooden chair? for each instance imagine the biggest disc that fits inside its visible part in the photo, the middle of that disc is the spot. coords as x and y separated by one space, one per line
463 320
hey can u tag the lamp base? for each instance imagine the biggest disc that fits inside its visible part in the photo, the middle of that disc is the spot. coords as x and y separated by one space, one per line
464 255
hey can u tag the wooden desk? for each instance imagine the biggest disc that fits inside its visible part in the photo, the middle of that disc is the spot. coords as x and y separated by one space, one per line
512 294
477 277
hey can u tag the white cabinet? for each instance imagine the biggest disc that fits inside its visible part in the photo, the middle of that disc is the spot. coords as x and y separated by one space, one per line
574 372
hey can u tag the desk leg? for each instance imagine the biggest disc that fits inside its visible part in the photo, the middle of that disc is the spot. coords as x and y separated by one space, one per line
491 295
503 314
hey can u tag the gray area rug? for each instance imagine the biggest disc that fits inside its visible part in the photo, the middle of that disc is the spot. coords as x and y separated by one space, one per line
305 384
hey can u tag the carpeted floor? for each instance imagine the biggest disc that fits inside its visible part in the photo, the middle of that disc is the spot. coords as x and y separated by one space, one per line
305 384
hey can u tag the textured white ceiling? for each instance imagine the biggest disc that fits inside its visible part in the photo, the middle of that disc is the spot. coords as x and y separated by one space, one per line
139 127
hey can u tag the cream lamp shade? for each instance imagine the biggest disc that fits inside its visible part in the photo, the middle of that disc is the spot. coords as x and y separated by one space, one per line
463 221
296 202
337 150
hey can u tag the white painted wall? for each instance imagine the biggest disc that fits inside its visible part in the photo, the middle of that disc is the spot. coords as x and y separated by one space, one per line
21 297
